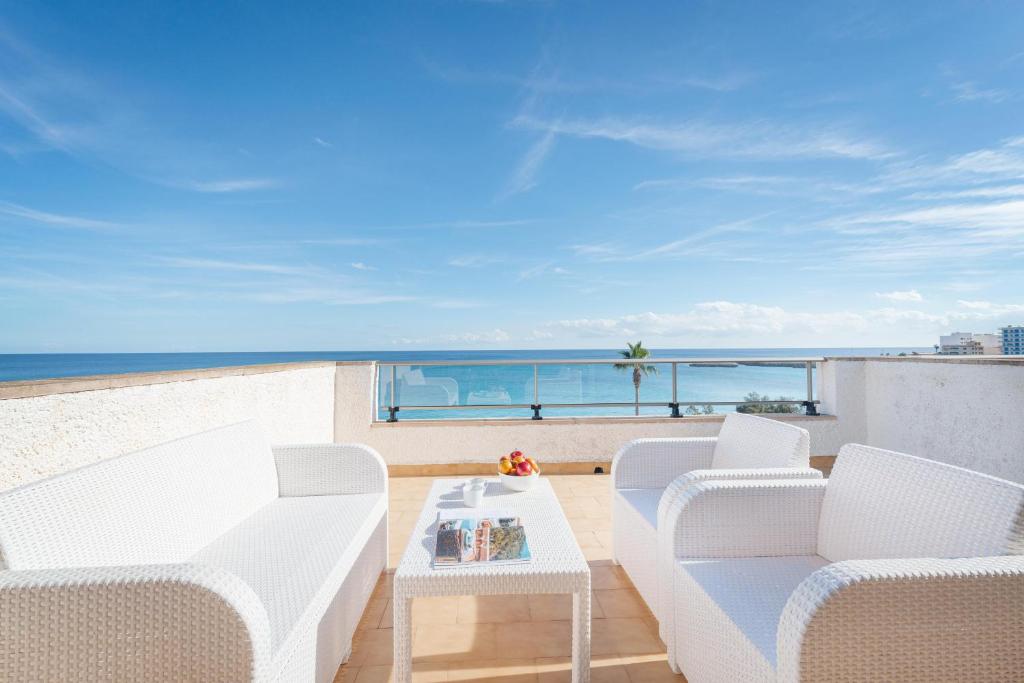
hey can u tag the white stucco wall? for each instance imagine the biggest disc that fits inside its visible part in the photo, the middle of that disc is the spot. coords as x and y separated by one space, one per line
410 442
968 413
44 435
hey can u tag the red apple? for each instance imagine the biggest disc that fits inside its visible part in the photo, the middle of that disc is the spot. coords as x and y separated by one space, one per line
523 469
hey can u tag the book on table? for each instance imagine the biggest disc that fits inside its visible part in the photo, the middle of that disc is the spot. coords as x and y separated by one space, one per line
473 537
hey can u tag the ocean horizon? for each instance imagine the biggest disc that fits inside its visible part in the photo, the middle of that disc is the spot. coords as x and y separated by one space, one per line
35 366
499 385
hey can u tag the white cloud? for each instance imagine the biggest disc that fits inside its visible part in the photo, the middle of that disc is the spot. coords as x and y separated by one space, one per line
699 138
974 193
322 142
472 261
494 336
968 91
524 178
988 308
229 185
359 265
240 266
907 295
53 219
456 304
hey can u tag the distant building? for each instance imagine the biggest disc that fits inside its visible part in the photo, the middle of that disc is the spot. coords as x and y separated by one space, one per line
1013 339
970 344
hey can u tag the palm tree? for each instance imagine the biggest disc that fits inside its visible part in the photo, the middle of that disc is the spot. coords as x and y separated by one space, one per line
634 352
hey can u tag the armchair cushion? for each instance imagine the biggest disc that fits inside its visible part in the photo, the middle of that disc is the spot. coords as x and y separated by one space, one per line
750 441
728 614
329 469
294 550
654 463
883 504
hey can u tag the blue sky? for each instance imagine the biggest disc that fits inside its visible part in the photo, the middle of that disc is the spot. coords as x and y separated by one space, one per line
456 174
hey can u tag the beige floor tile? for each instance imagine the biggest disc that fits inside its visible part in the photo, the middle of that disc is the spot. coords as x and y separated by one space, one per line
372 648
622 602
559 670
606 577
453 642
497 670
493 609
630 636
442 610
588 539
387 619
372 614
597 553
346 674
558 607
652 672
539 638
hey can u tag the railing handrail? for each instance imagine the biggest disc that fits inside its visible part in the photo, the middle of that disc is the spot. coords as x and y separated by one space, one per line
605 361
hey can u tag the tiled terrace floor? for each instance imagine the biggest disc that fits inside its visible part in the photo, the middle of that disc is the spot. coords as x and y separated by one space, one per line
515 639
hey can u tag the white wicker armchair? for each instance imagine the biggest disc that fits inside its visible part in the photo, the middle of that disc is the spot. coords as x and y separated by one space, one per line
209 558
895 569
649 476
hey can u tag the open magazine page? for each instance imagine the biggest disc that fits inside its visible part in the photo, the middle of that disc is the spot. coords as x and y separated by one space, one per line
468 536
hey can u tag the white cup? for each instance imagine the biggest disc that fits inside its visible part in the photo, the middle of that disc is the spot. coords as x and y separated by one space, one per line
478 481
473 494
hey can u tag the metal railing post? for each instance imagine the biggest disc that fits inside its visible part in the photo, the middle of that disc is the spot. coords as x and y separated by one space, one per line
535 406
674 405
809 403
392 408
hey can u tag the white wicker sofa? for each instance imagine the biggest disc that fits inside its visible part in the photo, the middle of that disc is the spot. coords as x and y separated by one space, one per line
209 558
896 568
649 476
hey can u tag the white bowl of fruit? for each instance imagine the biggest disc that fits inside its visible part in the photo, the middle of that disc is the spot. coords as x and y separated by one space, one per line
517 472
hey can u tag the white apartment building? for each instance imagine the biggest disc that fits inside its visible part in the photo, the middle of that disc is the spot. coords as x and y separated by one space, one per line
970 344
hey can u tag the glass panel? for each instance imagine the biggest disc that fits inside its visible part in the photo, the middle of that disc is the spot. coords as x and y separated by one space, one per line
483 391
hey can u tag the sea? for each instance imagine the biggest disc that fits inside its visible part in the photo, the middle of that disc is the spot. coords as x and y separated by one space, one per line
453 385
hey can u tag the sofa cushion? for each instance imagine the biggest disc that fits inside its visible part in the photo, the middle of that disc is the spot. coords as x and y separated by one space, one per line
731 608
644 502
295 552
154 506
749 441
881 504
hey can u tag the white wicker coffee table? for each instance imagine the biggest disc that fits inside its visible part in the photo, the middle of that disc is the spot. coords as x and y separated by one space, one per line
558 566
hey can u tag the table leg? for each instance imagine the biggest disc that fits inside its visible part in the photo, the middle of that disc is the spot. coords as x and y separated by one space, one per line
581 636
402 638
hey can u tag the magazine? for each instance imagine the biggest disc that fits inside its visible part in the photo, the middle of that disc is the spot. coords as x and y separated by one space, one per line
467 536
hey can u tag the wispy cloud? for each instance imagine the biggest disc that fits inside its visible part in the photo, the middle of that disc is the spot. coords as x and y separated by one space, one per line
359 265
540 269
524 177
345 241
323 143
968 91
724 140
238 266
696 243
898 295
978 192
1004 162
473 261
456 304
229 185
54 219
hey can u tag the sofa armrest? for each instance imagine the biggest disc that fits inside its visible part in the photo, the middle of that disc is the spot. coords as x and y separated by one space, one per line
747 518
329 470
654 463
906 619
671 503
131 623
